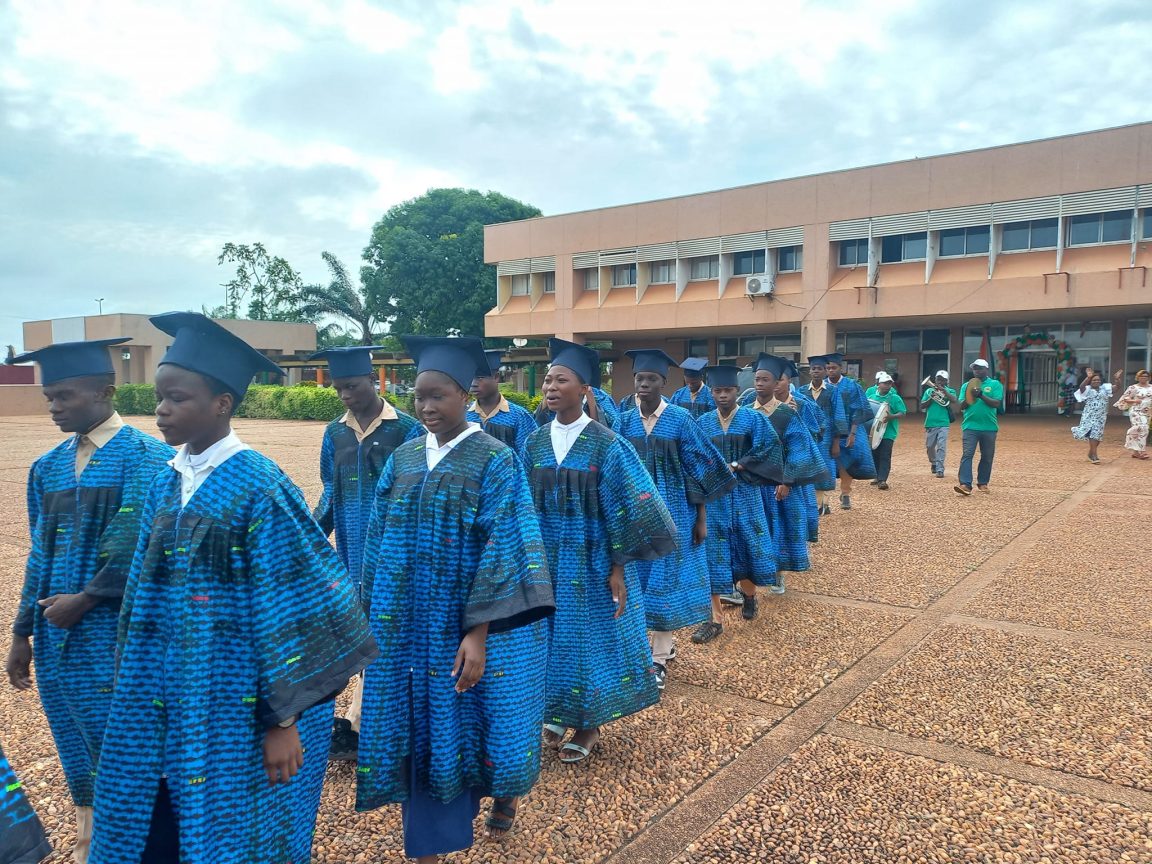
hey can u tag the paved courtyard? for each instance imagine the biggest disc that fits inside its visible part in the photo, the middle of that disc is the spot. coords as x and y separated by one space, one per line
955 680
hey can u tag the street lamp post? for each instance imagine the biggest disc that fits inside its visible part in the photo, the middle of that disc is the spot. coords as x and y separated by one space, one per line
100 305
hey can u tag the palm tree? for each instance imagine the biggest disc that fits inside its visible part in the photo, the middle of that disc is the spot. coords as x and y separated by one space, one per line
340 298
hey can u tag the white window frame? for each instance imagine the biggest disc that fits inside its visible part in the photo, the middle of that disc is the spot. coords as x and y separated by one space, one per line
799 252
1099 230
549 280
630 270
592 279
860 244
965 253
521 285
666 278
713 263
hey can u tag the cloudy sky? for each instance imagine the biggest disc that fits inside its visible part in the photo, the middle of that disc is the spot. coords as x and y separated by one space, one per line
136 138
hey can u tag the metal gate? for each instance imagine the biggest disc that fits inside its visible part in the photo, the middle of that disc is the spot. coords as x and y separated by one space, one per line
1038 377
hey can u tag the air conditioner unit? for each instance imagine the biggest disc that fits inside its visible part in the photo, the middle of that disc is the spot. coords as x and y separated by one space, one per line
761 285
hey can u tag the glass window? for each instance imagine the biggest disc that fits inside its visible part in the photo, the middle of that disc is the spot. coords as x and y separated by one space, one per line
935 340
1116 227
591 279
707 267
1015 236
745 263
1037 234
977 240
1083 230
866 342
661 271
549 283
1138 333
751 346
952 243
905 341
789 259
892 249
520 285
904 247
1043 234
623 275
727 347
1147 230
853 252
698 348
916 246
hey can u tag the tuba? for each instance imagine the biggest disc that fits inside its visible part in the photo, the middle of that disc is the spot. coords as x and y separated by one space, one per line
938 395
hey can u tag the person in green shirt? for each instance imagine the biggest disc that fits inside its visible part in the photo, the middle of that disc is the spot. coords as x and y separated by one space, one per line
982 395
940 405
885 392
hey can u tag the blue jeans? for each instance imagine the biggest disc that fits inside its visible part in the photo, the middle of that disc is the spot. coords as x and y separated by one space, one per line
987 444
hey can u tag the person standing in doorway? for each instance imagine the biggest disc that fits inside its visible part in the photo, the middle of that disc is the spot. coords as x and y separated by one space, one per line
940 405
885 391
980 402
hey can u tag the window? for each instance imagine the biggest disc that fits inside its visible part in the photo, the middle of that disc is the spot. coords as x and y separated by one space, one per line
1021 236
707 267
957 242
853 252
698 348
591 279
905 341
661 271
623 275
520 285
870 342
549 283
1093 228
935 340
1146 231
751 346
790 259
1139 350
745 263
904 247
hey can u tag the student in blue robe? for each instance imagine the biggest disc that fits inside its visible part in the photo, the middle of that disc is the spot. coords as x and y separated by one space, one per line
352 455
597 404
239 626
851 447
818 390
689 472
694 397
740 546
22 839
598 509
814 421
84 501
787 508
503 420
457 586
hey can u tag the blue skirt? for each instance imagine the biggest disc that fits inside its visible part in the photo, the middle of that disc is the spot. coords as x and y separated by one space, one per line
432 827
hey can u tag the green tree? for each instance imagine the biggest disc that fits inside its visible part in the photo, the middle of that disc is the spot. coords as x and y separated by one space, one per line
341 298
426 260
269 284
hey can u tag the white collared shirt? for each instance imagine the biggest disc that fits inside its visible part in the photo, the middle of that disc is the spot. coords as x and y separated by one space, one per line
434 452
195 469
564 436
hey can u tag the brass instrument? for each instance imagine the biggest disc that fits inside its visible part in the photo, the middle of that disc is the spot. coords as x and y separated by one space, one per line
938 394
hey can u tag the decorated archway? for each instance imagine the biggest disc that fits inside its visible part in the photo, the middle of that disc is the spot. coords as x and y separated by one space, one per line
1009 357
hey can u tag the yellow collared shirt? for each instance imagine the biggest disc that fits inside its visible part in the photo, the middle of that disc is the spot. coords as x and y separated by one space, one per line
88 443
502 405
387 412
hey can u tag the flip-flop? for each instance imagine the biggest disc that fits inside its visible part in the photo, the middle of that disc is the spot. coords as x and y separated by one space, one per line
558 731
582 753
501 817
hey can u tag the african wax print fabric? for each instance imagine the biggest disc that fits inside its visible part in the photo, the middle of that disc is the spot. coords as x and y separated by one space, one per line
598 508
238 615
511 427
740 544
688 470
850 407
803 466
1138 401
83 538
22 839
701 405
349 470
1095 414
449 549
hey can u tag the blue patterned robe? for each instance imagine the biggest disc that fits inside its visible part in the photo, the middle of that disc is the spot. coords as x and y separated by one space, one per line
511 427
815 421
447 550
349 470
850 405
238 615
610 414
702 404
740 544
823 401
22 838
803 465
599 508
83 538
688 471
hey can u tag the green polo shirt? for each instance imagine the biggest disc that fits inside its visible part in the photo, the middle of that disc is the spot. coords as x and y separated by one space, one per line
981 417
937 415
895 406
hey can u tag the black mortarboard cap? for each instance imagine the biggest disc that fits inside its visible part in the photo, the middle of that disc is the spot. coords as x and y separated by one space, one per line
201 345
71 359
835 357
581 359
495 361
790 369
352 362
650 360
694 365
722 376
817 360
461 358
771 363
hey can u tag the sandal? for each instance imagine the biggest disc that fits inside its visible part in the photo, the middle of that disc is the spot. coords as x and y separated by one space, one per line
581 752
557 733
501 817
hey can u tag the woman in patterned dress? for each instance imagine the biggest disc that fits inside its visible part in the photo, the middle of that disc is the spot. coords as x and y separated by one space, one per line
1137 401
1093 394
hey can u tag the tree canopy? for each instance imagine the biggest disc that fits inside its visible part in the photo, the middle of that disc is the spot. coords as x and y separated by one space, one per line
268 282
426 260
341 298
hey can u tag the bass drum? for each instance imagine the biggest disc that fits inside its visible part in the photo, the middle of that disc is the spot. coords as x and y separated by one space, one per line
879 423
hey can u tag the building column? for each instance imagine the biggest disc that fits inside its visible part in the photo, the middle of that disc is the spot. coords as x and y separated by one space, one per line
817 337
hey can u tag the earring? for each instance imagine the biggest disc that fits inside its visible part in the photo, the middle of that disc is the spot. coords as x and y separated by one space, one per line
221 412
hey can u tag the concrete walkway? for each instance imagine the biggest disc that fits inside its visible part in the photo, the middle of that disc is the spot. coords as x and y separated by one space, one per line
956 679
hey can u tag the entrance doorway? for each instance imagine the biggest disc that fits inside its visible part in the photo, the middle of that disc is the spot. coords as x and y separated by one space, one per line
1038 378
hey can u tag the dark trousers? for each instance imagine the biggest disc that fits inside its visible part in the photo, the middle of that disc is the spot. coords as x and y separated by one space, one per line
987 444
163 846
882 456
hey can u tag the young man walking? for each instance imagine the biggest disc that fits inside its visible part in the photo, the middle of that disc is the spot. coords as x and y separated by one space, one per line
940 406
982 397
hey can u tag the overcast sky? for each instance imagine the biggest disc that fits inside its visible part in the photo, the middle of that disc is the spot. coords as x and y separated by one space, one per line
136 138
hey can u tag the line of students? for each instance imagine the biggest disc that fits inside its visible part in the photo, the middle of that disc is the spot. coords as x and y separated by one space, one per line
480 568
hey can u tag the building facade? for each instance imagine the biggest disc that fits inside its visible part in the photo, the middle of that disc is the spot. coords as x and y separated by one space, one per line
1033 254
135 361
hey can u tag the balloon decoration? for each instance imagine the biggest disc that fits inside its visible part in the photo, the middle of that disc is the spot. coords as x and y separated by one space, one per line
1065 356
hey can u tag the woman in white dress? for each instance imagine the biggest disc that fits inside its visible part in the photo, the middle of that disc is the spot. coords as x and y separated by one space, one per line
1137 401
1094 394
